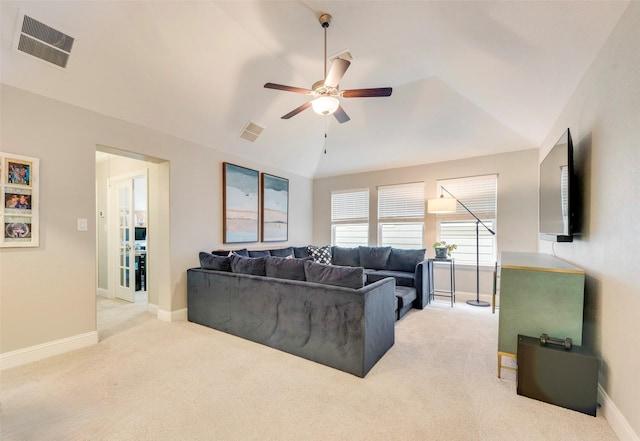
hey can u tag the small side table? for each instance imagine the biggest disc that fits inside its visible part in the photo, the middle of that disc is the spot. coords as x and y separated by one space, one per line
451 293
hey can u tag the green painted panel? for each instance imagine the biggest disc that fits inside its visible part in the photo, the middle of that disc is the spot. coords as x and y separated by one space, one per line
533 302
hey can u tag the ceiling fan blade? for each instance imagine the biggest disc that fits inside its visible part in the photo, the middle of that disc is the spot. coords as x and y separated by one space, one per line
364 93
341 115
286 88
336 71
297 110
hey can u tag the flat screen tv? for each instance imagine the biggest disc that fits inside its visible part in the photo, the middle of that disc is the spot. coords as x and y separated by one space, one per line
557 199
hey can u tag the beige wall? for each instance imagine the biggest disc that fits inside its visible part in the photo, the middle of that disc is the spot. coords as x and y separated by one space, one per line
51 292
517 226
604 118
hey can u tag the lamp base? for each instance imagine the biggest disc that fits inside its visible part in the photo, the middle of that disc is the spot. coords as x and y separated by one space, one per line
477 303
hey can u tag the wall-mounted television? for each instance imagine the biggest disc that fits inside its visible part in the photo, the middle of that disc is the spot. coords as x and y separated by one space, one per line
558 201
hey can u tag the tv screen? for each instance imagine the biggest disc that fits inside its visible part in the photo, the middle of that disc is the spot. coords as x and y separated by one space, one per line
557 186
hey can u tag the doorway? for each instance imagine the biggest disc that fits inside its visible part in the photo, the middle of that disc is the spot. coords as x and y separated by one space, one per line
124 233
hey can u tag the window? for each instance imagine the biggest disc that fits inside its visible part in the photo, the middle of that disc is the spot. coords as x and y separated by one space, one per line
350 218
478 194
401 215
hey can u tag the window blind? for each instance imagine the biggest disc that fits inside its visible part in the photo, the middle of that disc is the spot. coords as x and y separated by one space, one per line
350 206
477 193
401 202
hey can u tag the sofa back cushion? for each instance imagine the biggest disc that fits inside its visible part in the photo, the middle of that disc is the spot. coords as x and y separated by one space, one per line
345 276
345 256
374 257
213 262
259 253
405 260
284 268
248 265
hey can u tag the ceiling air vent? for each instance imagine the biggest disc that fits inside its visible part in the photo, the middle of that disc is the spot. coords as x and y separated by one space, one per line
251 132
42 41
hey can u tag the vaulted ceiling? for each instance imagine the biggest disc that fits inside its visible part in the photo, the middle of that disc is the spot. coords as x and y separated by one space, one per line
468 78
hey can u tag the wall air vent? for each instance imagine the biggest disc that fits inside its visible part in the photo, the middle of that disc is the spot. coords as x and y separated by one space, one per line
42 41
251 132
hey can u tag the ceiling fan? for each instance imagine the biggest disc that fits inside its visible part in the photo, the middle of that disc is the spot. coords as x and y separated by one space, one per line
326 92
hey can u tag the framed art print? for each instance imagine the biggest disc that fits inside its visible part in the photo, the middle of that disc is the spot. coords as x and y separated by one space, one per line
275 208
240 203
19 196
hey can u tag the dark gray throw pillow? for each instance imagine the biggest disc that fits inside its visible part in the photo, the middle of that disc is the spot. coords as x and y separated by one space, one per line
284 268
242 252
300 252
345 256
374 257
405 260
345 276
248 265
213 262
282 252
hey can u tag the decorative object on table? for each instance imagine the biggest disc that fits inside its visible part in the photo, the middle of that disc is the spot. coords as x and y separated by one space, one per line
443 249
275 208
448 205
240 203
19 188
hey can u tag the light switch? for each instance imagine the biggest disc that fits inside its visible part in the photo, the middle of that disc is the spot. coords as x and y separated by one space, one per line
82 225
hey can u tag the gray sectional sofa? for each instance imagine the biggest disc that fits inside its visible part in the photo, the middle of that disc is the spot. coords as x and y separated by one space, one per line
409 267
336 306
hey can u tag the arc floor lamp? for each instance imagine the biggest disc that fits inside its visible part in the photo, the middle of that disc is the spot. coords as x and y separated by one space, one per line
448 205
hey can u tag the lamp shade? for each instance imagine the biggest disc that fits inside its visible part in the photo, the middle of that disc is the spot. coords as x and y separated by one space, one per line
325 105
441 205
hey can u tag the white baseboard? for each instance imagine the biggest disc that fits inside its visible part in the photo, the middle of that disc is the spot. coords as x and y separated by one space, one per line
45 350
615 418
153 309
103 292
172 316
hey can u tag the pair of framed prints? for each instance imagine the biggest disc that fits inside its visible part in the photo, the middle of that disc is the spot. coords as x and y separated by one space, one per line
255 205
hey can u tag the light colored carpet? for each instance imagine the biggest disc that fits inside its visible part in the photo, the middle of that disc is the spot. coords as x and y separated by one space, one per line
151 380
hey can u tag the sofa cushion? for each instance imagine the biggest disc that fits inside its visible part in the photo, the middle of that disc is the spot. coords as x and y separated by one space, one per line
320 254
405 260
285 268
374 257
405 295
214 262
345 276
248 265
300 252
345 256
403 278
259 253
282 252
224 253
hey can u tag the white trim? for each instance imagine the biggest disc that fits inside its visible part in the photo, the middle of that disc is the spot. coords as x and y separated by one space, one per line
615 418
103 292
45 350
153 309
172 316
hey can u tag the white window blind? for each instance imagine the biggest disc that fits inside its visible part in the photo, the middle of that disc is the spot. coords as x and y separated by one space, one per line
479 195
350 218
401 215
401 202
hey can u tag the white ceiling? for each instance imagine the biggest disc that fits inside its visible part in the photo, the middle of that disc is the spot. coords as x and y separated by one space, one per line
469 78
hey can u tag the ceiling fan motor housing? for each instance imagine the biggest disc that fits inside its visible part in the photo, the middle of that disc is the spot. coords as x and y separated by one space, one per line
325 20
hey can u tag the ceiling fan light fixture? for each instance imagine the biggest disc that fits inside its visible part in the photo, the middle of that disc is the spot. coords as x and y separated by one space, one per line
325 105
